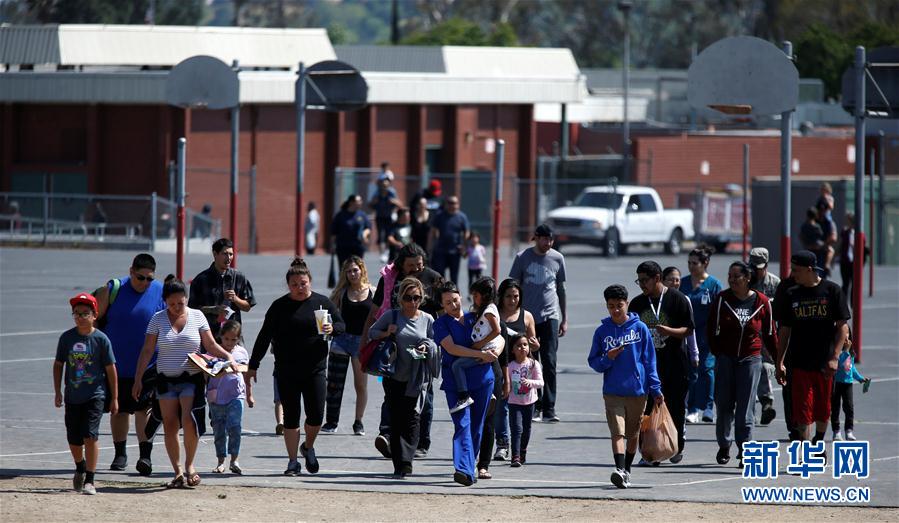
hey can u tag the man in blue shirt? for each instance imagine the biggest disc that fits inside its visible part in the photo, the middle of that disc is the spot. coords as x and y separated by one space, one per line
126 305
449 233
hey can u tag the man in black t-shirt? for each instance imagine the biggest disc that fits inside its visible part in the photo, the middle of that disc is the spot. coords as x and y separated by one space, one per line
668 315
781 308
816 319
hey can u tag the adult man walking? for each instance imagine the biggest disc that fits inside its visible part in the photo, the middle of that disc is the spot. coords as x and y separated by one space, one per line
816 322
765 283
669 317
449 232
541 271
220 291
125 306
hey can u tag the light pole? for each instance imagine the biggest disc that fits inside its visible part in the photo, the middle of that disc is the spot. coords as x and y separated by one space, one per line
625 7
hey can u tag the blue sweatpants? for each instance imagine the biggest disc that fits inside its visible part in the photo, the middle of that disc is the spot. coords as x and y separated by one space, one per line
469 425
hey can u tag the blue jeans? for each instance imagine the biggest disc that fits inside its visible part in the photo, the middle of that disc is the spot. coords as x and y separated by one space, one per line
501 422
469 424
459 368
520 419
226 427
702 382
735 393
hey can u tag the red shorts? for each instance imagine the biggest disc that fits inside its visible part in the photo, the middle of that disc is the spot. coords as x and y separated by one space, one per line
811 390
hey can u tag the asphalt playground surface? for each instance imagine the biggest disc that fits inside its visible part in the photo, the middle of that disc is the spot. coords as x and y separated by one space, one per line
568 459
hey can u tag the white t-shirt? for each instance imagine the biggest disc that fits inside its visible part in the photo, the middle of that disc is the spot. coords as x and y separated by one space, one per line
174 347
482 329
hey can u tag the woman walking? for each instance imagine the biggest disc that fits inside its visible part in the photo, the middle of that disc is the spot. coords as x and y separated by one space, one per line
701 288
453 332
174 334
421 223
352 295
300 346
741 323
517 321
416 366
350 229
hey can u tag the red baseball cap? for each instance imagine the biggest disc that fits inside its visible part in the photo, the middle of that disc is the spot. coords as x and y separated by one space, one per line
436 187
84 299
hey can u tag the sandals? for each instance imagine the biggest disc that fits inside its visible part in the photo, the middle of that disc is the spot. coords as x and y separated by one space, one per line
219 469
178 482
193 479
484 474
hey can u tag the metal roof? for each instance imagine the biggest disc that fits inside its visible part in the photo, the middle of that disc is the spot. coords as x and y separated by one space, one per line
29 44
393 59
160 46
395 74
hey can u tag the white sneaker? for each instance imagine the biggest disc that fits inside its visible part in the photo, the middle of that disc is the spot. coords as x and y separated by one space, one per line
618 478
538 417
461 404
692 417
838 435
850 435
708 416
627 479
502 454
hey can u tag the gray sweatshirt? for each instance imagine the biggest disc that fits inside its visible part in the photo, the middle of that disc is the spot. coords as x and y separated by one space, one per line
409 333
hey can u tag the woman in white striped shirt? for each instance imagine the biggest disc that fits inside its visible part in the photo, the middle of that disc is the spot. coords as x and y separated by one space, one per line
175 333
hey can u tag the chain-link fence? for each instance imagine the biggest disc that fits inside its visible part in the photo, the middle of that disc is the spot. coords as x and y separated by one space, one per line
113 221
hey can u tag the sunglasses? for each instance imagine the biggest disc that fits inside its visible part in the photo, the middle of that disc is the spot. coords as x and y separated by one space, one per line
141 277
412 298
85 315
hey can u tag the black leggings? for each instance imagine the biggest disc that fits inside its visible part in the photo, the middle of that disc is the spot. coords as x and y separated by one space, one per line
338 364
311 388
842 392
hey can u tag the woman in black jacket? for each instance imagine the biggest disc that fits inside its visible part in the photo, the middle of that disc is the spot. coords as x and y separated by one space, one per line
301 358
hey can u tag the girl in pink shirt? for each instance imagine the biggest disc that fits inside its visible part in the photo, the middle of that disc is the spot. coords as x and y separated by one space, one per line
526 376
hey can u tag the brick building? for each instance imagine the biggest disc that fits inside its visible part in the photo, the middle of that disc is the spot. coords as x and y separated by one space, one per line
82 110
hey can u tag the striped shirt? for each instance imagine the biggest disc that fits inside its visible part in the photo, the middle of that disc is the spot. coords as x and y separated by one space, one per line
172 347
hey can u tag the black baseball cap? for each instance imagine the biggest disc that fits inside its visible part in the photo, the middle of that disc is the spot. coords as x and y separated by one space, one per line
543 230
805 259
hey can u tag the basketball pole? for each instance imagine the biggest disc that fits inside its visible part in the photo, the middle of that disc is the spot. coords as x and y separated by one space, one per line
786 152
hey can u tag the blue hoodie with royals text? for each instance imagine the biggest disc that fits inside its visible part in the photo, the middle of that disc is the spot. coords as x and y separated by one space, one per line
633 372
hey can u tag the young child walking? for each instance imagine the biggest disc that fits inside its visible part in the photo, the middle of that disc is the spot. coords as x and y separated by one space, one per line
624 353
526 376
485 335
477 257
225 394
85 355
845 376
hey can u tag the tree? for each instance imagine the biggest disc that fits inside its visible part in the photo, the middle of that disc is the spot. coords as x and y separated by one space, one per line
458 31
168 12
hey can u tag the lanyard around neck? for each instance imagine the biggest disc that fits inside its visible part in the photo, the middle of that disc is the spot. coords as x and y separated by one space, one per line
657 311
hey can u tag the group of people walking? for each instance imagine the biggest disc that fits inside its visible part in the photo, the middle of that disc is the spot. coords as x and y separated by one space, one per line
705 351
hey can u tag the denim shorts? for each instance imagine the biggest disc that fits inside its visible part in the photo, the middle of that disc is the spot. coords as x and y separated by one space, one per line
179 390
346 344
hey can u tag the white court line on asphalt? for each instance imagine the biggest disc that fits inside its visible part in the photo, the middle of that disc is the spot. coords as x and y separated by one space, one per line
14 393
31 333
2 362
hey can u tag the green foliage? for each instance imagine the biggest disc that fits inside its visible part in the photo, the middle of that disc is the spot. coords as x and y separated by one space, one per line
168 12
823 53
456 31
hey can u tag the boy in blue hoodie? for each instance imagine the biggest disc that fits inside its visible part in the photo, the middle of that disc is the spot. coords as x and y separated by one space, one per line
623 351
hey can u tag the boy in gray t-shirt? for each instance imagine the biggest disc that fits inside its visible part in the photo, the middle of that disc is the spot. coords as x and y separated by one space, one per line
85 355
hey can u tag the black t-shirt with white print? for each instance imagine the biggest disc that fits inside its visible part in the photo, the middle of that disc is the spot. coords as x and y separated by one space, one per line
673 310
812 314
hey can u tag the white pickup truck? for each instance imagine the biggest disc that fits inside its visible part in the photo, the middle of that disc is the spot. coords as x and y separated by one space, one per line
615 217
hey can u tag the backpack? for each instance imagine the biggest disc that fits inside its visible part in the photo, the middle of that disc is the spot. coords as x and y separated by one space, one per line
113 285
